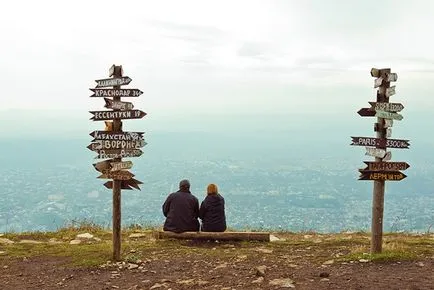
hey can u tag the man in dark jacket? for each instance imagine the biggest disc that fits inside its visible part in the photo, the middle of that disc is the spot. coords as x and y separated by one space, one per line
212 211
181 210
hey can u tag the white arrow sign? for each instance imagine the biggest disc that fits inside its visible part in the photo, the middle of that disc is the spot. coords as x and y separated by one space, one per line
390 91
375 152
388 115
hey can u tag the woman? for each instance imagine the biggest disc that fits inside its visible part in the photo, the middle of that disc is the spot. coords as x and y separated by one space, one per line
212 211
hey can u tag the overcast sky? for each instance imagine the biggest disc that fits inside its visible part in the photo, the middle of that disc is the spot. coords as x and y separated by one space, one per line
210 57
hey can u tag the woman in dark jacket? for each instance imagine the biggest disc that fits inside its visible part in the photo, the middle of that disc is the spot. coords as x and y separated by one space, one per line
212 211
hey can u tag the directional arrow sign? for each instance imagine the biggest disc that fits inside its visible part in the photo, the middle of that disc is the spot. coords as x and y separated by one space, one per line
118 105
379 175
103 166
118 153
375 152
371 141
109 115
385 166
388 132
123 136
388 107
391 77
125 184
366 112
113 82
388 123
390 91
388 115
116 144
110 93
117 175
378 82
116 166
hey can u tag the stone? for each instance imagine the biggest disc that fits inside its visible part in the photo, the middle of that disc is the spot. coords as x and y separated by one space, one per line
132 266
283 282
186 282
157 285
273 238
324 280
75 242
137 235
363 260
324 274
420 264
265 251
85 236
260 271
2 253
6 241
202 283
30 242
258 281
5 266
329 262
224 265
54 241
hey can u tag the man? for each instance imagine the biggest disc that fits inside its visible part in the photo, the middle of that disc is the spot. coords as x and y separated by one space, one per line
181 210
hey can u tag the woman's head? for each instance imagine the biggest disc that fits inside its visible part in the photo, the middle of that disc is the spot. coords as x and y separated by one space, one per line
211 189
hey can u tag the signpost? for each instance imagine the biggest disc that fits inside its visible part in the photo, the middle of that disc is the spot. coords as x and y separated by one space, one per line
115 144
381 169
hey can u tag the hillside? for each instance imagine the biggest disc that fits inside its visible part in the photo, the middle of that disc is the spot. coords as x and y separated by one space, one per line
61 260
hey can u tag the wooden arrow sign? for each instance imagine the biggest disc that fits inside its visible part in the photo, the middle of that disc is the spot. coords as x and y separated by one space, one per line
125 184
388 115
375 152
110 115
113 82
116 144
103 166
118 105
388 107
380 175
116 166
388 123
117 175
391 77
390 91
123 136
118 153
378 82
377 142
366 112
110 93
385 166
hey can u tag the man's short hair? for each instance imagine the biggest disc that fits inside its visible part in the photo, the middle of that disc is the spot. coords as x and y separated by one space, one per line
184 183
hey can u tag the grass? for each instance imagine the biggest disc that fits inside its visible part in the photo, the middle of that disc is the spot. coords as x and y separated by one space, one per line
314 247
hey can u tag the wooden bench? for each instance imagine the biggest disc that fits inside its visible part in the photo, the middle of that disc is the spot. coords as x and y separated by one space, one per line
221 236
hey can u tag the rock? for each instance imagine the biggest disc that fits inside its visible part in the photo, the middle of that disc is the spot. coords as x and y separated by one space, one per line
165 281
324 274
260 271
317 241
241 258
186 282
132 266
146 281
2 253
275 239
202 283
265 251
157 285
75 242
54 241
224 265
1 235
30 242
6 241
363 261
329 262
258 281
284 283
137 235
420 264
228 246
5 266
307 236
85 236
324 280
293 266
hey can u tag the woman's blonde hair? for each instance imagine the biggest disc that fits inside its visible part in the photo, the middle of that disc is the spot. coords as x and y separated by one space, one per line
211 189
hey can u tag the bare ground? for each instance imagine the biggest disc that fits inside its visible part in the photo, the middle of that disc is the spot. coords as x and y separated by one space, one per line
299 261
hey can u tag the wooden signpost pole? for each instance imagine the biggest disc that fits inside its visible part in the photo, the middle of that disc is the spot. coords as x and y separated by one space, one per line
379 185
114 143
117 125
381 170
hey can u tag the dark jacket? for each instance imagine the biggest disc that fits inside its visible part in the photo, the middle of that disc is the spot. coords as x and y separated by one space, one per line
212 213
181 210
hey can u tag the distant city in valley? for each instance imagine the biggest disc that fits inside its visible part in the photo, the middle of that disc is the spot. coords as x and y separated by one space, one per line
270 181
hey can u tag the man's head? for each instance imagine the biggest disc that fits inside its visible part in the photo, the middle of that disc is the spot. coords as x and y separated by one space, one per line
184 184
